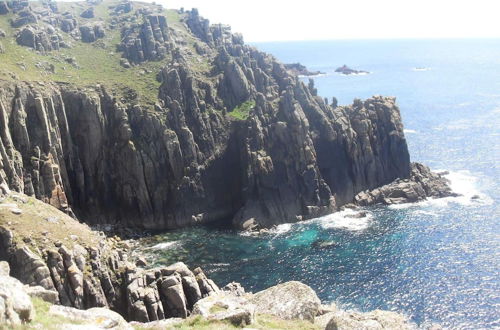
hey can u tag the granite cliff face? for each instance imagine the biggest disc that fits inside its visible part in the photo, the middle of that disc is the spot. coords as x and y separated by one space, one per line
195 156
67 263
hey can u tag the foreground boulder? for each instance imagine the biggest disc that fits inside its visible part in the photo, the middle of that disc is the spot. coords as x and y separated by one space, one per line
99 318
375 320
224 306
15 303
290 300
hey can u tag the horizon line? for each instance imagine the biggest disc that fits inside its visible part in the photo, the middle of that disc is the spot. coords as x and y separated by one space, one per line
374 39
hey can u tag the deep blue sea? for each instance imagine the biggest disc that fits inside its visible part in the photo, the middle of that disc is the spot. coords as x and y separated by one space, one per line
437 261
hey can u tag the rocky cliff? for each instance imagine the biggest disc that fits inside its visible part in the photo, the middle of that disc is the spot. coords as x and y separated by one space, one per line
67 263
228 135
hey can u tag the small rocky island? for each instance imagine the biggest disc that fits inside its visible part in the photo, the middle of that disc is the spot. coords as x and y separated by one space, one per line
345 70
298 69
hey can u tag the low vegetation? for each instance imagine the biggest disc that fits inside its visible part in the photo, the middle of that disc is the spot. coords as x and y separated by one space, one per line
242 111
91 63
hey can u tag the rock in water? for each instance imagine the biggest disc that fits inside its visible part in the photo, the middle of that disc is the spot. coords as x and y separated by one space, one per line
347 70
290 300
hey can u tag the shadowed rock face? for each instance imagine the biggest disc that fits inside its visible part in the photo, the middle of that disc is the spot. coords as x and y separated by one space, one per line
187 162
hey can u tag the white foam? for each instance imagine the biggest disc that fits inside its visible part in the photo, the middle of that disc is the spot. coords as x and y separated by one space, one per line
281 229
166 245
355 74
220 265
352 220
313 75
422 212
462 183
409 131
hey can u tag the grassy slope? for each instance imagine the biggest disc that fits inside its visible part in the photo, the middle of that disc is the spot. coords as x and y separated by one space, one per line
42 224
99 62
261 322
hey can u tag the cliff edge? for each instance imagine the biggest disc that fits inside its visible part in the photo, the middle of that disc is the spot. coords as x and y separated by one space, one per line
125 112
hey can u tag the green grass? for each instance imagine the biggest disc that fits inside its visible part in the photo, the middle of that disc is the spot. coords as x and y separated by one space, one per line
98 62
262 321
242 111
217 309
42 318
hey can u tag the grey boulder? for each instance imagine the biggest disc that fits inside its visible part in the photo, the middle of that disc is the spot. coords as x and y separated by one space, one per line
290 300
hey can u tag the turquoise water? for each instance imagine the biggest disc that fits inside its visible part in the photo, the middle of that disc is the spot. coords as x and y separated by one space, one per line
437 261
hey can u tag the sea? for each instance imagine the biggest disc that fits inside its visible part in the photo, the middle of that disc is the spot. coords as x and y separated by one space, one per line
437 261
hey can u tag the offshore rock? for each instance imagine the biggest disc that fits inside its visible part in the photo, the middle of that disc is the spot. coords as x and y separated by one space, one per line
301 70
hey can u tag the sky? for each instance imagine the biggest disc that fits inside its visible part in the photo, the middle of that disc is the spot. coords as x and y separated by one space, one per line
282 20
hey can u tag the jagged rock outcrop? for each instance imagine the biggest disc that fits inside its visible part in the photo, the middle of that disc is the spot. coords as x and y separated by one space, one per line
4 8
88 13
95 272
423 183
123 7
91 33
24 17
148 41
40 39
13 6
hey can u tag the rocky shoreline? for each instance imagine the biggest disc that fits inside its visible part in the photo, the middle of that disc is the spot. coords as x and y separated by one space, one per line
85 275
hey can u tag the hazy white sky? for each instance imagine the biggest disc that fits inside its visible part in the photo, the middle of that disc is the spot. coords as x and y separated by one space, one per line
271 20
